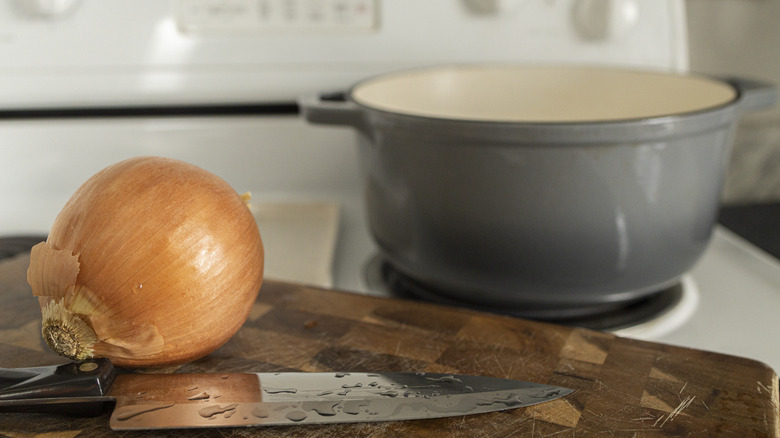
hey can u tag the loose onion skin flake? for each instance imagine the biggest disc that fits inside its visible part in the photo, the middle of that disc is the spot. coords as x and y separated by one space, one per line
152 262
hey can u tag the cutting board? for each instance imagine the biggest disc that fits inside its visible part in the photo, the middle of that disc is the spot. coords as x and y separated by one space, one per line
623 387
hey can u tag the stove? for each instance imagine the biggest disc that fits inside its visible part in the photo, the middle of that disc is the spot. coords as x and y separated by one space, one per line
216 86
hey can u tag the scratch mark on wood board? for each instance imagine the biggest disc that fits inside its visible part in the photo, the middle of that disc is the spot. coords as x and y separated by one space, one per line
681 407
500 367
571 431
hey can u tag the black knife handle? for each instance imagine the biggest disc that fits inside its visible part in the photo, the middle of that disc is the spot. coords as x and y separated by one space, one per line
73 388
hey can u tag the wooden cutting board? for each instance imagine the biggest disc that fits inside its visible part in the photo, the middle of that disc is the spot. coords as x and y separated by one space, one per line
624 387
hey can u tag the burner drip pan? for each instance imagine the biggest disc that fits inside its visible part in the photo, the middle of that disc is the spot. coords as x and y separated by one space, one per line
382 276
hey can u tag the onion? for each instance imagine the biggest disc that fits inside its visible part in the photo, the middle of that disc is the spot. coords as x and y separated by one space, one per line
152 262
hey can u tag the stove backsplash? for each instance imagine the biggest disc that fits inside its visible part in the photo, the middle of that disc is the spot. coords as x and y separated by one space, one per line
738 37
754 170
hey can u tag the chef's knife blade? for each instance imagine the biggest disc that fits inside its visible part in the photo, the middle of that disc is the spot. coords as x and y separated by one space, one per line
165 401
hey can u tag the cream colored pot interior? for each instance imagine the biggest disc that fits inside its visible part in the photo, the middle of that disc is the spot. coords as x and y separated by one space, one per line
541 94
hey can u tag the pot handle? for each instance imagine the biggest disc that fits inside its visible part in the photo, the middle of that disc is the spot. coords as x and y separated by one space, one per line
331 109
754 95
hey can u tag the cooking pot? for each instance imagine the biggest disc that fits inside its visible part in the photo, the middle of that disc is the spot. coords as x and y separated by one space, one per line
542 188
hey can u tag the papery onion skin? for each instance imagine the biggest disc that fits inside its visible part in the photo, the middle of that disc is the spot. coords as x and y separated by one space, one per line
167 260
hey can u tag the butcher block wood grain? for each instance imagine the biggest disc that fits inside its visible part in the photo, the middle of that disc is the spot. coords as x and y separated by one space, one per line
623 387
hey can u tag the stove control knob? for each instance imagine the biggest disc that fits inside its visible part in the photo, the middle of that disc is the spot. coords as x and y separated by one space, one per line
601 20
492 7
47 8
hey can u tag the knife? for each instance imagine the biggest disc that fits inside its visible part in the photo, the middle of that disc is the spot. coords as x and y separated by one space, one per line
170 401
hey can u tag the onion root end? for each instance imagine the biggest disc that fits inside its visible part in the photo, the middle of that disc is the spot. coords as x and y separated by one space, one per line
66 333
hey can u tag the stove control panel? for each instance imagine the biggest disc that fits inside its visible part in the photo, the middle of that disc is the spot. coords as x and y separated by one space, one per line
601 20
91 53
47 9
264 16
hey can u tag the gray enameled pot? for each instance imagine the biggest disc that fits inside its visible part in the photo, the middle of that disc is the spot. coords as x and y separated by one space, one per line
542 215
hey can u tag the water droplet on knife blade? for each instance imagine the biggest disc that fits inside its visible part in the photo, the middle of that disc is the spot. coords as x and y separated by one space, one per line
510 401
128 412
445 379
260 412
546 393
280 390
296 416
324 408
353 407
211 411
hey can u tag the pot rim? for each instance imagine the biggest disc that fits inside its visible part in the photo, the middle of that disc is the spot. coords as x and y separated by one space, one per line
540 93
562 133
520 132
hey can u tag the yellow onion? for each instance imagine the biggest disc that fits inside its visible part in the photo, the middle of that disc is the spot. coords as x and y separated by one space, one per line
151 262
